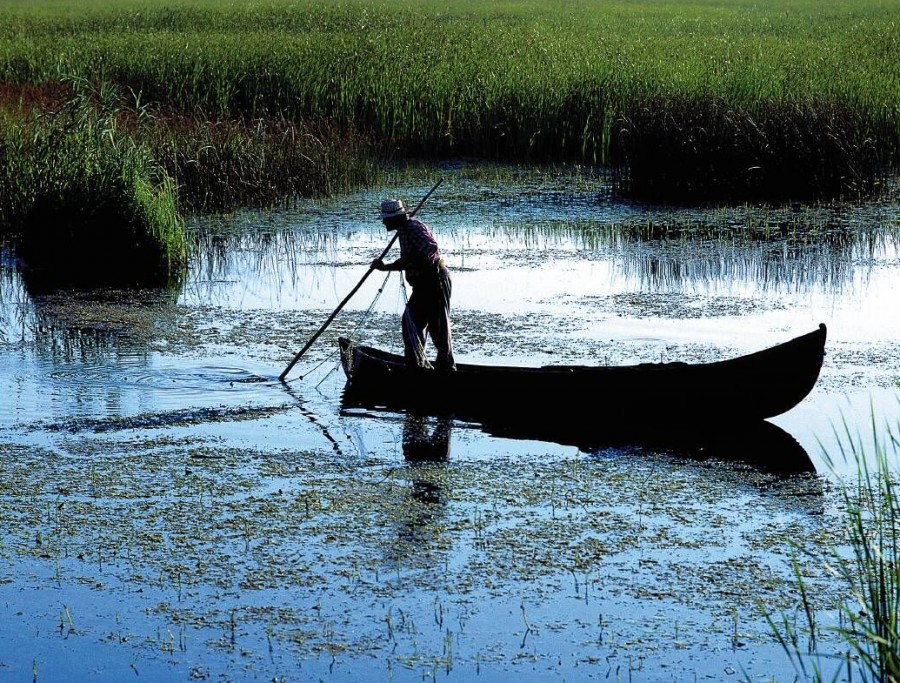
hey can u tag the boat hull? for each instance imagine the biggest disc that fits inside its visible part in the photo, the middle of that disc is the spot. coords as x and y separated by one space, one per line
743 389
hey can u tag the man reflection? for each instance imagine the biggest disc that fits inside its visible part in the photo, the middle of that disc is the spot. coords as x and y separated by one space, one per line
421 447
426 450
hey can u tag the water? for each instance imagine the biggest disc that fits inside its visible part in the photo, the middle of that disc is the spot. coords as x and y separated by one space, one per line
172 510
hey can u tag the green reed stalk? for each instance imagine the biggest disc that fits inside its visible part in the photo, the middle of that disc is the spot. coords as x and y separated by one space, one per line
869 566
873 573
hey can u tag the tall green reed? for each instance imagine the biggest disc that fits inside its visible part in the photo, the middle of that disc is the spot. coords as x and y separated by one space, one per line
867 565
95 167
222 165
81 198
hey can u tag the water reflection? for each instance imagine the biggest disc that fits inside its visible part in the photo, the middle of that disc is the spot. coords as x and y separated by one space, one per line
85 325
426 451
780 261
763 446
677 252
252 256
758 459
553 255
784 249
424 443
16 314
95 354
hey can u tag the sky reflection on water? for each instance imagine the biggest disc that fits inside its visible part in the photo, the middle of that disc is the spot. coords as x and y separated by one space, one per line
837 266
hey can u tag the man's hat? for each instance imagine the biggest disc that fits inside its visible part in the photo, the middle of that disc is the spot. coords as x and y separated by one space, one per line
392 207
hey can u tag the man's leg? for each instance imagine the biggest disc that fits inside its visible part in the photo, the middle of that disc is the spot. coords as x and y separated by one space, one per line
439 324
414 327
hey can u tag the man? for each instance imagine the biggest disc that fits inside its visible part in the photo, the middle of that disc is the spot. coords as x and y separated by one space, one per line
428 309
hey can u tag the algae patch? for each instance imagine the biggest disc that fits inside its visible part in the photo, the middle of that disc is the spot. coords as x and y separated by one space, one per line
365 557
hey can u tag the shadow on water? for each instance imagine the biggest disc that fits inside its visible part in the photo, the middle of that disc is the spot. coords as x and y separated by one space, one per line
109 359
79 259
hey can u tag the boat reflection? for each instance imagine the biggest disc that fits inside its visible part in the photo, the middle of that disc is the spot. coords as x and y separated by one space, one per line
761 445
760 460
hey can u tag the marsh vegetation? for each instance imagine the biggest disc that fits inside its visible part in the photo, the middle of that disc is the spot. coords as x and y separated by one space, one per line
252 103
865 562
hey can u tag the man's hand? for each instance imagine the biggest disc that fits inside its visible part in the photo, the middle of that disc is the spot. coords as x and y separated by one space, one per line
378 264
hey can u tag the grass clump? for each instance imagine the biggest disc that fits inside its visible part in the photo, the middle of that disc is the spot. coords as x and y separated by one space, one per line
83 202
868 567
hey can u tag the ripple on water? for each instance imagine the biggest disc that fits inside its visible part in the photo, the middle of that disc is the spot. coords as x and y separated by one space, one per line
116 390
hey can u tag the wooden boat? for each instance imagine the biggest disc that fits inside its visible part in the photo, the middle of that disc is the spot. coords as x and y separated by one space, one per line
742 389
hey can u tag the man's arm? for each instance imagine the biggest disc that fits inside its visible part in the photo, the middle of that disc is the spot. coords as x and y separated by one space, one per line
378 264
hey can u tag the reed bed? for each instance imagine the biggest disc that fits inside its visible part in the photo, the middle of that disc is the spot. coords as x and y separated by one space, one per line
222 165
91 168
750 99
712 151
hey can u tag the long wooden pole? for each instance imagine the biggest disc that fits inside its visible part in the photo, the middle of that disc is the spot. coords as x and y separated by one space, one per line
354 290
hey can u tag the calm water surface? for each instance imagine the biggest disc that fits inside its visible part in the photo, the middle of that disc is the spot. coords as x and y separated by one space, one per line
174 512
